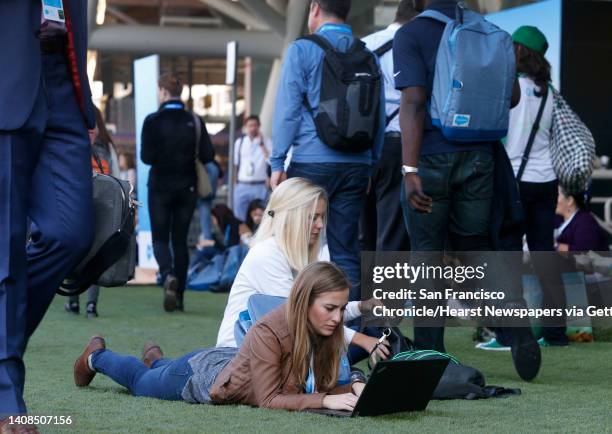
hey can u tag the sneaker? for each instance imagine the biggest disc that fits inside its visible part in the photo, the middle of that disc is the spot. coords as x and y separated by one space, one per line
91 310
170 296
525 353
492 345
544 343
180 305
72 307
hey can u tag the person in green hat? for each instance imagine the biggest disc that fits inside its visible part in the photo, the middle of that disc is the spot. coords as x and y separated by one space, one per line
537 179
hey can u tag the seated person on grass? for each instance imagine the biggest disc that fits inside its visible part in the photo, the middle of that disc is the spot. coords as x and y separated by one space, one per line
289 360
287 240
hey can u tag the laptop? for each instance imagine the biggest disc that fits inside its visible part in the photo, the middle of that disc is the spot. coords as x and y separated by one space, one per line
396 386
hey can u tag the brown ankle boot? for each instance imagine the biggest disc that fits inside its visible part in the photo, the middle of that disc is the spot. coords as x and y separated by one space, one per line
150 353
83 375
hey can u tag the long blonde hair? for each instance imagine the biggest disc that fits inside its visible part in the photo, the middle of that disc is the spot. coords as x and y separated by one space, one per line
289 218
324 351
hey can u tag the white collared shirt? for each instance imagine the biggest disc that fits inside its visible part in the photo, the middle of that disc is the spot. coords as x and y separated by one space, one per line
392 95
250 159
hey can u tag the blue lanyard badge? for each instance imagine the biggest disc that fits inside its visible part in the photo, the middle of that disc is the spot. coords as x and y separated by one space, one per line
53 10
310 382
174 106
343 28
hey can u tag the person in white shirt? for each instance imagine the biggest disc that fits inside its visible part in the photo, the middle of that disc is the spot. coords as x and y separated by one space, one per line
251 154
382 224
288 239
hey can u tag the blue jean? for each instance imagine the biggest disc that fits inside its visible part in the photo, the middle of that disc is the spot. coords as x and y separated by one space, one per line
205 204
45 177
204 208
245 194
346 185
164 380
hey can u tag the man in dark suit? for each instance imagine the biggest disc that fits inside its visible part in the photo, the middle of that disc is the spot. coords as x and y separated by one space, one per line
45 173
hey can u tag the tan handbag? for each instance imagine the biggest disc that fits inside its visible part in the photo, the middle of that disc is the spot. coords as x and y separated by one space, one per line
204 186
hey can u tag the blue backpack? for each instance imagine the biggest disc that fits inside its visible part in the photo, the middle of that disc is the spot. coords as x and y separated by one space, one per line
473 80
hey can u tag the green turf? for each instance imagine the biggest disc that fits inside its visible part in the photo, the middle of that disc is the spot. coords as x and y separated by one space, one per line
572 394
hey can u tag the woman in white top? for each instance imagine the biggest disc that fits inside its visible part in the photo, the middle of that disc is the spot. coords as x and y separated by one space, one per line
538 183
288 239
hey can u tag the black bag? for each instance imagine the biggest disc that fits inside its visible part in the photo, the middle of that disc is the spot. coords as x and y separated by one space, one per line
111 261
465 382
347 118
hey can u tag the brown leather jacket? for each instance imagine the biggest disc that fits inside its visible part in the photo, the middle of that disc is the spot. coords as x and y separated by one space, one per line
260 374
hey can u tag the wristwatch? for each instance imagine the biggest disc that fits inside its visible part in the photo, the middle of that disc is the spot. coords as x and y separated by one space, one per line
409 169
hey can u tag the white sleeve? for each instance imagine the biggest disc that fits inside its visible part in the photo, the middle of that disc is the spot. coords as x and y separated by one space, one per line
349 334
237 148
352 311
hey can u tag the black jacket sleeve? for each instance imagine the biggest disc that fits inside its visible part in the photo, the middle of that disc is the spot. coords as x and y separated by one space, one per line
148 153
207 151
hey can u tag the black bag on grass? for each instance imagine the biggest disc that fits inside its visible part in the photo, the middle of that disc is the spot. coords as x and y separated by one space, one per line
458 381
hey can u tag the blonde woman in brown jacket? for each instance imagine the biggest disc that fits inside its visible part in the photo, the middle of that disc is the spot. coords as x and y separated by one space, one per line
289 360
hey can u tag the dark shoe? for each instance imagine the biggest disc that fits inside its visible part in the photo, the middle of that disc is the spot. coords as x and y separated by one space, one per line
180 306
170 288
92 312
72 307
83 375
150 353
526 353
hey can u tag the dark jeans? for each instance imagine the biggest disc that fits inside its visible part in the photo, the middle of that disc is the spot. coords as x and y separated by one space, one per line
461 186
539 202
171 214
346 186
382 226
164 380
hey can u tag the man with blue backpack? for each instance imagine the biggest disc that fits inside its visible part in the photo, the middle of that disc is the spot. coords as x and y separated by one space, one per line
330 107
456 72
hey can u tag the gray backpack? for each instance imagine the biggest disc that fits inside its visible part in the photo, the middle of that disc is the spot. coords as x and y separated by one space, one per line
111 261
473 80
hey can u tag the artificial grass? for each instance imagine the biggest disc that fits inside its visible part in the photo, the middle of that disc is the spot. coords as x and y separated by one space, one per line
572 394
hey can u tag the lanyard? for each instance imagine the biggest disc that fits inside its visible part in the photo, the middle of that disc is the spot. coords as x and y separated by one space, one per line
343 28
173 106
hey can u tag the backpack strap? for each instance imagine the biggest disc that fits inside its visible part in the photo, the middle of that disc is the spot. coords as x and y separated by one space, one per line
383 49
534 131
391 116
435 15
319 40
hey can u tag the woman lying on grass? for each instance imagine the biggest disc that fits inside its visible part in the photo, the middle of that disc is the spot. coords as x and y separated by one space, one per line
289 360
287 240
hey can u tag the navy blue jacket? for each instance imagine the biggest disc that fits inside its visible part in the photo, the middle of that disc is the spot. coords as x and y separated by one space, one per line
20 58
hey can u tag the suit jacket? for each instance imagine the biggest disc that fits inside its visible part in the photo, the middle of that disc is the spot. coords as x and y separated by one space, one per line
260 374
583 233
20 58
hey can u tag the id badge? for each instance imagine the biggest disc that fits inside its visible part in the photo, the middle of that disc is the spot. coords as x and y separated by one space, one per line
53 10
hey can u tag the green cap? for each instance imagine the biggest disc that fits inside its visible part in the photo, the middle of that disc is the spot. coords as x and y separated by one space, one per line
531 37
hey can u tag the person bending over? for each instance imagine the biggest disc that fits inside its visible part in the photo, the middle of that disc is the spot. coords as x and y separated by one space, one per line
289 360
287 240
